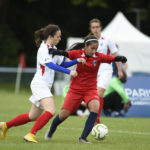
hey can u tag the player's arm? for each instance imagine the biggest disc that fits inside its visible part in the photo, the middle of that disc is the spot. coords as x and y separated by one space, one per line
108 58
73 54
67 64
55 67
120 74
113 49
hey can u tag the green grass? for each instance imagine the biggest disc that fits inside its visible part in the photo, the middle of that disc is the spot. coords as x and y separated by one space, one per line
124 133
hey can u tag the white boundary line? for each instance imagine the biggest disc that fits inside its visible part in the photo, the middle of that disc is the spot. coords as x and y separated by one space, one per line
116 131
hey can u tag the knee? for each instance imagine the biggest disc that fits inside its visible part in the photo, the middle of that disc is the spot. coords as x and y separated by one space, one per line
33 118
64 114
53 112
96 109
94 106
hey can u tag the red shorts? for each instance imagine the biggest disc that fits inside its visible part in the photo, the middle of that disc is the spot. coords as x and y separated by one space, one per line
73 100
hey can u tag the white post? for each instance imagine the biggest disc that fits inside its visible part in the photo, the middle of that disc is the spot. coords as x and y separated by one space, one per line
18 79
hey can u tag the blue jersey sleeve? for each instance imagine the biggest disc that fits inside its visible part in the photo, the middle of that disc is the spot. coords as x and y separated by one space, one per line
69 63
55 67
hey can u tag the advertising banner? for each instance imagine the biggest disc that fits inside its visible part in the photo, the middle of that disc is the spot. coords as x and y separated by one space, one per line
138 90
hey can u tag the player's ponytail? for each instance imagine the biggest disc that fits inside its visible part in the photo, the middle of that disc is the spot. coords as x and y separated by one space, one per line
39 36
44 33
77 46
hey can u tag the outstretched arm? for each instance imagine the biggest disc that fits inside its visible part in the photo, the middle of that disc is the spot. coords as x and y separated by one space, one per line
58 52
55 67
108 58
73 54
67 64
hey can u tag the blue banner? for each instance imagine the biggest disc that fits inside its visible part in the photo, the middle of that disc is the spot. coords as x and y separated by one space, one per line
138 90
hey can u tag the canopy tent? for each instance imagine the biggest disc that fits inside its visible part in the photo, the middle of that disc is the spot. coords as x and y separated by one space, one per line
132 43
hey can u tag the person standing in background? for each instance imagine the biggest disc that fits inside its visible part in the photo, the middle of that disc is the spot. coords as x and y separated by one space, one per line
105 71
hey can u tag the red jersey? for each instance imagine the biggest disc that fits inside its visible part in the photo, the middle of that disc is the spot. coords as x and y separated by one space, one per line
87 73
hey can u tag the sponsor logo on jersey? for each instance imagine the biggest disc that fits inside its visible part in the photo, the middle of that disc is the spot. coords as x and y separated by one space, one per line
47 59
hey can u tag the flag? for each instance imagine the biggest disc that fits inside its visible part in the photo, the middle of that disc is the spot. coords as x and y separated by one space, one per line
22 61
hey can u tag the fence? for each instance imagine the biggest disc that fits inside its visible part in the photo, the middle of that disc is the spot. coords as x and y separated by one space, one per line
9 75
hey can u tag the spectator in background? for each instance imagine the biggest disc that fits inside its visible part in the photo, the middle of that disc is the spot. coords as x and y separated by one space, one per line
105 71
115 98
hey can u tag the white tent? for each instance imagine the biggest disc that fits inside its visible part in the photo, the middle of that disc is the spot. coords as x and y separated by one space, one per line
132 43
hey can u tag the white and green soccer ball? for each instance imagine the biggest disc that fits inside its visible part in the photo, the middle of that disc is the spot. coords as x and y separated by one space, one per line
99 131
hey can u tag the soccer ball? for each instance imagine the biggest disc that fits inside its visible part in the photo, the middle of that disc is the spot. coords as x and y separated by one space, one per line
99 131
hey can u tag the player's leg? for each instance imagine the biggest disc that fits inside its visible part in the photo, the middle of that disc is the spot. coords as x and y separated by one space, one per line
93 106
102 84
101 100
19 120
71 103
64 114
49 108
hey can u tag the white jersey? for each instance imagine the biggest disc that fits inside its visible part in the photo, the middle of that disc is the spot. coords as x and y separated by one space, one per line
106 47
45 75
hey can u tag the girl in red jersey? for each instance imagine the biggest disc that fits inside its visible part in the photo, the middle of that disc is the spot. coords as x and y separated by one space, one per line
84 86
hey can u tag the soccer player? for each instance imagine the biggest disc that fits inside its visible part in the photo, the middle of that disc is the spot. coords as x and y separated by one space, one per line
105 71
84 86
42 98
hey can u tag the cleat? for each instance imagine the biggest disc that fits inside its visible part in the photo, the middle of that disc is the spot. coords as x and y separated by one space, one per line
30 138
47 136
3 130
84 140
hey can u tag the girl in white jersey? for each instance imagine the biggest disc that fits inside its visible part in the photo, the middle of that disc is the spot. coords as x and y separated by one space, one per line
105 70
42 98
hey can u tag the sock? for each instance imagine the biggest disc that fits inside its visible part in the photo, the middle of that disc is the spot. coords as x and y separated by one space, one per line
54 125
100 110
41 121
19 120
89 124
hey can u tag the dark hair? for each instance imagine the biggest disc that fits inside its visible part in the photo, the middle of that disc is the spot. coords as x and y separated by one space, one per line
94 20
43 33
87 40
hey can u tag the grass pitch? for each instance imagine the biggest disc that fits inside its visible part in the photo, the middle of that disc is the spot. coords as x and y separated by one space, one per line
124 133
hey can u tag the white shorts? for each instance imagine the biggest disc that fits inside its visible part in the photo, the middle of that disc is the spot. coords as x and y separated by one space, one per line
39 91
103 79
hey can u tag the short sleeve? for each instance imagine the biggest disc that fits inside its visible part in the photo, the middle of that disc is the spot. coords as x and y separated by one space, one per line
73 54
112 47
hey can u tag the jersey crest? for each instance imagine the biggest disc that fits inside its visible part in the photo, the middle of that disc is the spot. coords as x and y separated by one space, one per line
94 62
82 55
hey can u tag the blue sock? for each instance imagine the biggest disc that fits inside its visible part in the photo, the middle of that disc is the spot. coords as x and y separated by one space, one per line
89 124
54 125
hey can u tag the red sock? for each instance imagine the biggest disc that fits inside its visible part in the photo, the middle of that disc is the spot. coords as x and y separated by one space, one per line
41 121
19 120
100 110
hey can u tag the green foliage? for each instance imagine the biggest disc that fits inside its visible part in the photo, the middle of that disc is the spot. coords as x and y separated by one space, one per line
9 46
20 18
91 3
